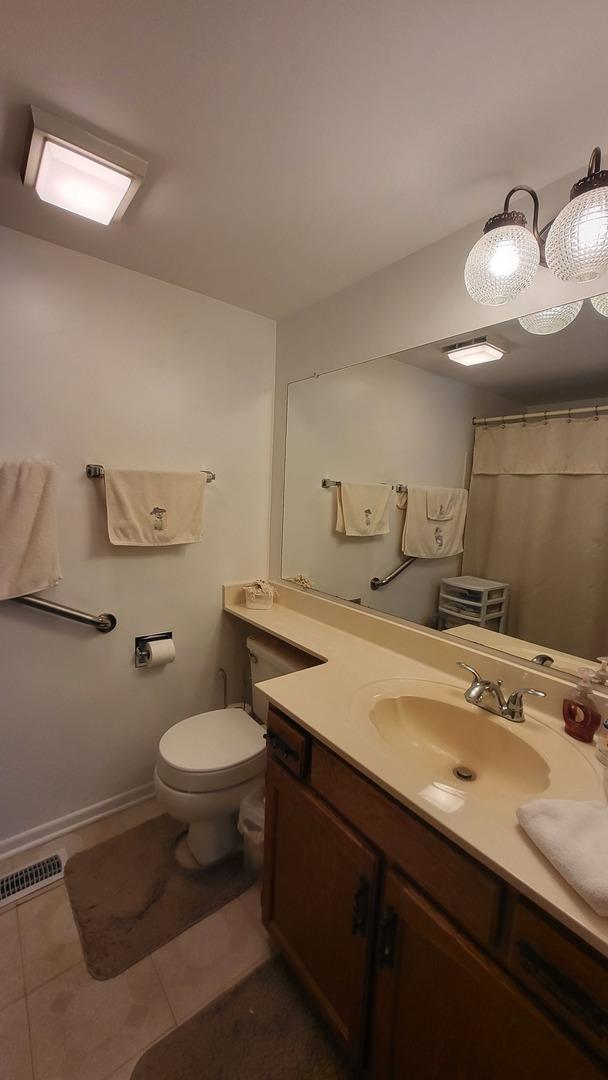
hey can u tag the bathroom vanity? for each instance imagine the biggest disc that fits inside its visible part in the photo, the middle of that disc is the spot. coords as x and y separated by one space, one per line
424 963
434 937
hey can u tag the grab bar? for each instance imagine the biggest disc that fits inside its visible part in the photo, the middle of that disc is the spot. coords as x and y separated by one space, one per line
104 622
379 583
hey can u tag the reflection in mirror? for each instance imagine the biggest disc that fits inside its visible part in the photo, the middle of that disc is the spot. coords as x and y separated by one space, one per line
465 492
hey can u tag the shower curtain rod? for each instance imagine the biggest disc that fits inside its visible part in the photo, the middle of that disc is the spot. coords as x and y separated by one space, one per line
546 414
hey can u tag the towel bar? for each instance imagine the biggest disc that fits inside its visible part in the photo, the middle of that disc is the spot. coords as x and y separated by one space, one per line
96 472
327 483
105 622
379 583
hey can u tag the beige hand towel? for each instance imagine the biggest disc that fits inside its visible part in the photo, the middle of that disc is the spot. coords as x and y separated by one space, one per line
428 532
362 509
29 555
154 509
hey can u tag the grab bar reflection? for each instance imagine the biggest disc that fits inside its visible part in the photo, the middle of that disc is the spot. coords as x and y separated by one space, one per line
105 622
379 583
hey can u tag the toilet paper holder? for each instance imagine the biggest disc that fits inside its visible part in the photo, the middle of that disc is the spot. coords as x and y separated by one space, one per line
141 651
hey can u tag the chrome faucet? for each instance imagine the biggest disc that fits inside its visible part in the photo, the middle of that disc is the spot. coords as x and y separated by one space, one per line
511 708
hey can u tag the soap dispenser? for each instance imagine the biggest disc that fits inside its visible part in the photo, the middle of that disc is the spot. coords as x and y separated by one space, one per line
581 714
601 743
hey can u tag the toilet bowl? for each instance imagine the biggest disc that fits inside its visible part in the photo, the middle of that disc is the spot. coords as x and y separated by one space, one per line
206 764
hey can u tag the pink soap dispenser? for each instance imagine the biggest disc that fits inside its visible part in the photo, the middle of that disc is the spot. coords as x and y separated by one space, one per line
581 715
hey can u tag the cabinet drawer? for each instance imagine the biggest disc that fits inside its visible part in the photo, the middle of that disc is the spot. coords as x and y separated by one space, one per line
465 890
287 743
566 976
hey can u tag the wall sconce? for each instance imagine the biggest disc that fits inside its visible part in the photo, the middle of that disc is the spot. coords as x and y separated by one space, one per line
574 246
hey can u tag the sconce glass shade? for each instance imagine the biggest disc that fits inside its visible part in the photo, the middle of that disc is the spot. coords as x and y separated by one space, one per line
577 244
551 320
600 304
501 265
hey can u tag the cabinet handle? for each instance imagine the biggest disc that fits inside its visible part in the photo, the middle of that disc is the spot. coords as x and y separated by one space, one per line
563 989
361 908
280 746
387 940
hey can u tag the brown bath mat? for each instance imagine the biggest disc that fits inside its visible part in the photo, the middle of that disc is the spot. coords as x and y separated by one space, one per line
260 1030
130 896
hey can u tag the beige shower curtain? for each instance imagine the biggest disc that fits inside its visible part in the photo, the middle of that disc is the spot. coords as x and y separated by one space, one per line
538 519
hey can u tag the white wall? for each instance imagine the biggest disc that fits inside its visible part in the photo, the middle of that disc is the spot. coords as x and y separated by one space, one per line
420 299
100 364
383 421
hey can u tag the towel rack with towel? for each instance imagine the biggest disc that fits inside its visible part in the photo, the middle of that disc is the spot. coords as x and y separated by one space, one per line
327 483
96 472
104 622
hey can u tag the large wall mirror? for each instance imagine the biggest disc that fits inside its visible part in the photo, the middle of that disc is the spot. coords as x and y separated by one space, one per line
469 498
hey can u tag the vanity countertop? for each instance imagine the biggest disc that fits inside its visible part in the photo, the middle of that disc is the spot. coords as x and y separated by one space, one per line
360 648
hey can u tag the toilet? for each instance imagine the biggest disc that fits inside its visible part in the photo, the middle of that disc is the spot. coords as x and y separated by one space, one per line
207 763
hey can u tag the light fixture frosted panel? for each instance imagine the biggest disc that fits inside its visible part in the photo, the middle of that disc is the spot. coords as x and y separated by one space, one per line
79 184
502 264
600 304
551 320
577 244
475 352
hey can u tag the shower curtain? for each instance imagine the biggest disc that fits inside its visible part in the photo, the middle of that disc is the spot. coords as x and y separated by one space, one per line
538 519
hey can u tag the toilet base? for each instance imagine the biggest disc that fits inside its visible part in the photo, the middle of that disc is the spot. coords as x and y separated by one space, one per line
214 839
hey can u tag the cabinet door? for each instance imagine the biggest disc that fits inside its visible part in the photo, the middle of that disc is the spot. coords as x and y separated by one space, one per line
319 898
443 1009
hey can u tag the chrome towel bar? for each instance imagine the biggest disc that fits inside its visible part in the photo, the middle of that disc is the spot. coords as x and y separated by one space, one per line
96 472
327 483
104 622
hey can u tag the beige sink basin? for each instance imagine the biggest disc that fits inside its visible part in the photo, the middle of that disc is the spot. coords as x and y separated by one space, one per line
430 727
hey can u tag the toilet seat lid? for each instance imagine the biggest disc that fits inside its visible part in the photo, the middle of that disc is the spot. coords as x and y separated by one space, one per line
227 742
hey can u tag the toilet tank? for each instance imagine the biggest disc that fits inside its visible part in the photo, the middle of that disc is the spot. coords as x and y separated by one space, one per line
269 658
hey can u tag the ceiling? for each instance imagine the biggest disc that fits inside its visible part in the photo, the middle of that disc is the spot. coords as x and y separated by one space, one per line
297 147
569 366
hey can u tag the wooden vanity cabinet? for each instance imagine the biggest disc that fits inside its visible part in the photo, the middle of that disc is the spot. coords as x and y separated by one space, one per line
410 948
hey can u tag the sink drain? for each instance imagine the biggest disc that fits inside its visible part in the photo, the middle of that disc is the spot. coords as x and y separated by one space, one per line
464 773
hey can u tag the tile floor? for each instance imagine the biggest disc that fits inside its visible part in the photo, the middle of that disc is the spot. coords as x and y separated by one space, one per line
57 1023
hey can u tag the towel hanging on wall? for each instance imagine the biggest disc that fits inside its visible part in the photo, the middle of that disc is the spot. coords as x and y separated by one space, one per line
362 509
434 521
29 554
154 509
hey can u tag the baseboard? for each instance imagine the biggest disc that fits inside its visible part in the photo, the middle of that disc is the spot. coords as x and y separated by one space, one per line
12 845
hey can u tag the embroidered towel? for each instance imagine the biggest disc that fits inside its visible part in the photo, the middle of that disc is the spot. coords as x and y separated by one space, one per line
29 554
574 838
154 509
362 509
434 521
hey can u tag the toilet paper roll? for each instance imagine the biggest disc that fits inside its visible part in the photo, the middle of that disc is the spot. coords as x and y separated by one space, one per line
160 652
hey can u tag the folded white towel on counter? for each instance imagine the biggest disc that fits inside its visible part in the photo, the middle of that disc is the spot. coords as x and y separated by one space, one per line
362 509
434 521
29 552
154 509
574 838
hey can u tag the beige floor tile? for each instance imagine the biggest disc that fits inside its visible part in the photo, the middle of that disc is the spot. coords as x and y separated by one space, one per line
119 822
49 939
11 969
15 1058
6 866
124 1073
209 957
82 1029
70 843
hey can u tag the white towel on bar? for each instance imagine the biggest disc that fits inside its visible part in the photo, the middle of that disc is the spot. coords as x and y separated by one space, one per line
574 838
362 509
434 521
29 551
154 509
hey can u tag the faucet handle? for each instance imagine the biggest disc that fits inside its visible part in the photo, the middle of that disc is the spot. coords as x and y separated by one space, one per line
515 701
467 667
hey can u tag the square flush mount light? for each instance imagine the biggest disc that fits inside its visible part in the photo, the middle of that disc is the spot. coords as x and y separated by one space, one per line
77 171
480 351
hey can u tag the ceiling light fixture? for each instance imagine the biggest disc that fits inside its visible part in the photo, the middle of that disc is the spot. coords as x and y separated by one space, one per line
551 320
600 303
76 171
504 261
478 351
